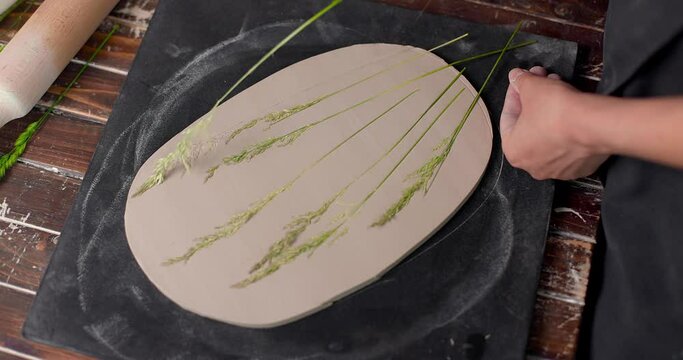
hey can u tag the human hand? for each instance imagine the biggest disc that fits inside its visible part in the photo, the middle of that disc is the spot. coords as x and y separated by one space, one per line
539 130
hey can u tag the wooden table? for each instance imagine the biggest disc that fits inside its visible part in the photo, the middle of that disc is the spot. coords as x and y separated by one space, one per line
37 194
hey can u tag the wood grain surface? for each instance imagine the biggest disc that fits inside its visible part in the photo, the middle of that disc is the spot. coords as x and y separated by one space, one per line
14 306
37 194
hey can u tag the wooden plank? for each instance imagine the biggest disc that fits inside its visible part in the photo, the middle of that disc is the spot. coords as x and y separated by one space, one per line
586 29
589 62
63 143
566 266
565 269
33 207
36 198
488 13
134 16
554 329
116 57
13 309
581 13
9 354
576 210
589 13
91 99
24 255
31 199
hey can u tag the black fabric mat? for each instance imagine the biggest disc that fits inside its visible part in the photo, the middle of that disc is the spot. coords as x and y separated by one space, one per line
466 293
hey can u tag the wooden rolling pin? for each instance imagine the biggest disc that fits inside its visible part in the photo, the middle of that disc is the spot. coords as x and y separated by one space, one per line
38 53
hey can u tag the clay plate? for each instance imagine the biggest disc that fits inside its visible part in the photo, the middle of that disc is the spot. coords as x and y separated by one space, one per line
164 222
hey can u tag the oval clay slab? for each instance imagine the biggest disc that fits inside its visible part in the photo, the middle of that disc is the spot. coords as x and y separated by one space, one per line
167 220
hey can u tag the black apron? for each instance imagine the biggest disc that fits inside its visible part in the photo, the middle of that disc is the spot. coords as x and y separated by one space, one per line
635 299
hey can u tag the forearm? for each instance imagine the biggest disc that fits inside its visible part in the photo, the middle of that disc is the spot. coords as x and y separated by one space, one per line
649 129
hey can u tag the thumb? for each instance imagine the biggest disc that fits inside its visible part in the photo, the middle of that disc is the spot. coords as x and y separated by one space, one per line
524 81
518 78
512 108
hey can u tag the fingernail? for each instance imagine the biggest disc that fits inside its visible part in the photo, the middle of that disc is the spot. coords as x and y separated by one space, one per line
515 74
554 77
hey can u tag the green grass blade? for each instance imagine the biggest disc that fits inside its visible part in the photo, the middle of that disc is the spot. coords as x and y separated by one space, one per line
275 118
295 228
423 174
412 147
428 171
277 47
237 221
9 159
288 254
254 150
182 153
459 127
229 228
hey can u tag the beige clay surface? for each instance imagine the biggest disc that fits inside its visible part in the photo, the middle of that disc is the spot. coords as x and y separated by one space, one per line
164 222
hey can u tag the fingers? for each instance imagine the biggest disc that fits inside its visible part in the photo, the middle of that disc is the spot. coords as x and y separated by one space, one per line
513 105
511 110
541 71
520 78
538 70
515 75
